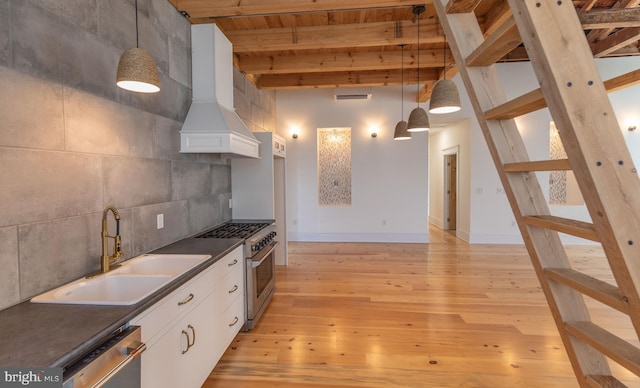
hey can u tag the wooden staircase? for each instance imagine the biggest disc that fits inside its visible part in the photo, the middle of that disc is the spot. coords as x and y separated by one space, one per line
571 88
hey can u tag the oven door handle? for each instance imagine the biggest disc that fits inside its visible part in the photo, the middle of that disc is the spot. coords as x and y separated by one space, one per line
261 257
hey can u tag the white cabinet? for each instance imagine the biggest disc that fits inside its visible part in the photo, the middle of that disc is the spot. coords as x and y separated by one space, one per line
187 332
259 187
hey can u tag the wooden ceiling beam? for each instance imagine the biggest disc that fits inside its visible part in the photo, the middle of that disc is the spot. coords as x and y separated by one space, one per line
615 41
334 36
461 6
343 79
614 18
501 42
244 8
348 61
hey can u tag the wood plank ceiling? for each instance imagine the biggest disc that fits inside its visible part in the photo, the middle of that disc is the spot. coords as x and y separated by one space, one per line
287 44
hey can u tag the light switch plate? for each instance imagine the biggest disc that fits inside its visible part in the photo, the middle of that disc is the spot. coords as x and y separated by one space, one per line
160 221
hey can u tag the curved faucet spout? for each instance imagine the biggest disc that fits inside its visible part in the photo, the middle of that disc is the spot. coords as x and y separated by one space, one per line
106 260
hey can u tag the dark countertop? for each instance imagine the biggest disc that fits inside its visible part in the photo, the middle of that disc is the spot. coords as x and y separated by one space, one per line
54 335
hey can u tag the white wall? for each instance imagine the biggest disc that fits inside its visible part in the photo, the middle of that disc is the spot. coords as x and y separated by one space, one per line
389 178
491 218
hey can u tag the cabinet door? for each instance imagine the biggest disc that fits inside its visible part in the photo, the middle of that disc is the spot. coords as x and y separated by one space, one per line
161 363
183 356
200 359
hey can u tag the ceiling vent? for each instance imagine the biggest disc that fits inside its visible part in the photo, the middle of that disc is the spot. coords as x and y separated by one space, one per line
352 94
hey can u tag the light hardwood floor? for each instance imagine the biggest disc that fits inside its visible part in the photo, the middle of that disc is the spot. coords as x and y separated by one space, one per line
443 314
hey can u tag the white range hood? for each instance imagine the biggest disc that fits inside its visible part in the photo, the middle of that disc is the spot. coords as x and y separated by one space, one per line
212 124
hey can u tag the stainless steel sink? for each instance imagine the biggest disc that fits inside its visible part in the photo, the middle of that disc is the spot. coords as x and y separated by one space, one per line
130 283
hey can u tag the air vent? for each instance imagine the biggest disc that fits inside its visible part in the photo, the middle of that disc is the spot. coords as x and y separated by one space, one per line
352 94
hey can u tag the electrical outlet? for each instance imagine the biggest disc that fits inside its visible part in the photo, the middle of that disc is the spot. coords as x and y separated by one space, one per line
160 221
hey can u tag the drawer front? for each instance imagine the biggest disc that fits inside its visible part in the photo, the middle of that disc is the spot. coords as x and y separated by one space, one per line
230 322
175 305
230 287
231 262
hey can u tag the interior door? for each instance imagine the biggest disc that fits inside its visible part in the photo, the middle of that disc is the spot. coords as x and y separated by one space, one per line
452 190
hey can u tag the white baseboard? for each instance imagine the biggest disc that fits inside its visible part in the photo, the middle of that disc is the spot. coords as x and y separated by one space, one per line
480 238
360 237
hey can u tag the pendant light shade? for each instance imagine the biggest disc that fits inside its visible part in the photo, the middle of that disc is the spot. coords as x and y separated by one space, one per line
401 132
418 119
137 71
444 98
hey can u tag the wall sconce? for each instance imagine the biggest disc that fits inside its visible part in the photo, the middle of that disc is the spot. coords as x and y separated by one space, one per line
373 131
295 131
374 134
631 128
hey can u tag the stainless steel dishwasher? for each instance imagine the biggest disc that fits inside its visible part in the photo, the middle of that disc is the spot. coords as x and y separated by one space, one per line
114 363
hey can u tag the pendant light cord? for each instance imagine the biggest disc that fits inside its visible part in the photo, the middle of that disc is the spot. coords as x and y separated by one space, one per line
136 5
444 51
418 89
402 81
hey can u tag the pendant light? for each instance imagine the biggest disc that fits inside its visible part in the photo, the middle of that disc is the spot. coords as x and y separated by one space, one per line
418 119
445 97
401 133
137 71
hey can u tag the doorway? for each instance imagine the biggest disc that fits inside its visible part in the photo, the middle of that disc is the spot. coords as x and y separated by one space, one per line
450 196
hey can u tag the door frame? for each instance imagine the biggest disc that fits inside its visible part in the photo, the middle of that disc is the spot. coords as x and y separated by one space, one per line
447 153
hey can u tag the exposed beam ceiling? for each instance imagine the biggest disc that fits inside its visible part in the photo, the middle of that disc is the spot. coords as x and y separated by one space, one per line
283 44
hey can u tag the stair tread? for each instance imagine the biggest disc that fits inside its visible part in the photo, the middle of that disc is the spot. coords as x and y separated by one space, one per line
595 288
607 343
538 165
564 225
534 100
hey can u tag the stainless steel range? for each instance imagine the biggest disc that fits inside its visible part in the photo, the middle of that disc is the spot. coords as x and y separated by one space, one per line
259 246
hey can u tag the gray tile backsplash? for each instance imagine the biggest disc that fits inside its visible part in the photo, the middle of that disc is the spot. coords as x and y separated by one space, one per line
9 276
130 182
71 142
58 251
43 185
5 41
97 126
31 111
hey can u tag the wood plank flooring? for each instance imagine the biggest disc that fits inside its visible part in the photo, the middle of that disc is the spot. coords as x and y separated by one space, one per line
443 314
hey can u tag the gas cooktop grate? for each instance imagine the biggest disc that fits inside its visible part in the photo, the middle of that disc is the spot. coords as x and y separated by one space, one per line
234 230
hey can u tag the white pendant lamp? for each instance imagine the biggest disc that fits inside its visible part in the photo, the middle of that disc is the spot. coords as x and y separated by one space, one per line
137 71
401 133
445 97
418 119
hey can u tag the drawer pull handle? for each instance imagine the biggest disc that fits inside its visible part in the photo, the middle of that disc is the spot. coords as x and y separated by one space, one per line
189 298
194 335
188 344
234 262
235 320
234 289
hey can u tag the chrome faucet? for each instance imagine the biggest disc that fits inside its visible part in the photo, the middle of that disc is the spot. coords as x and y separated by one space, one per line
106 260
